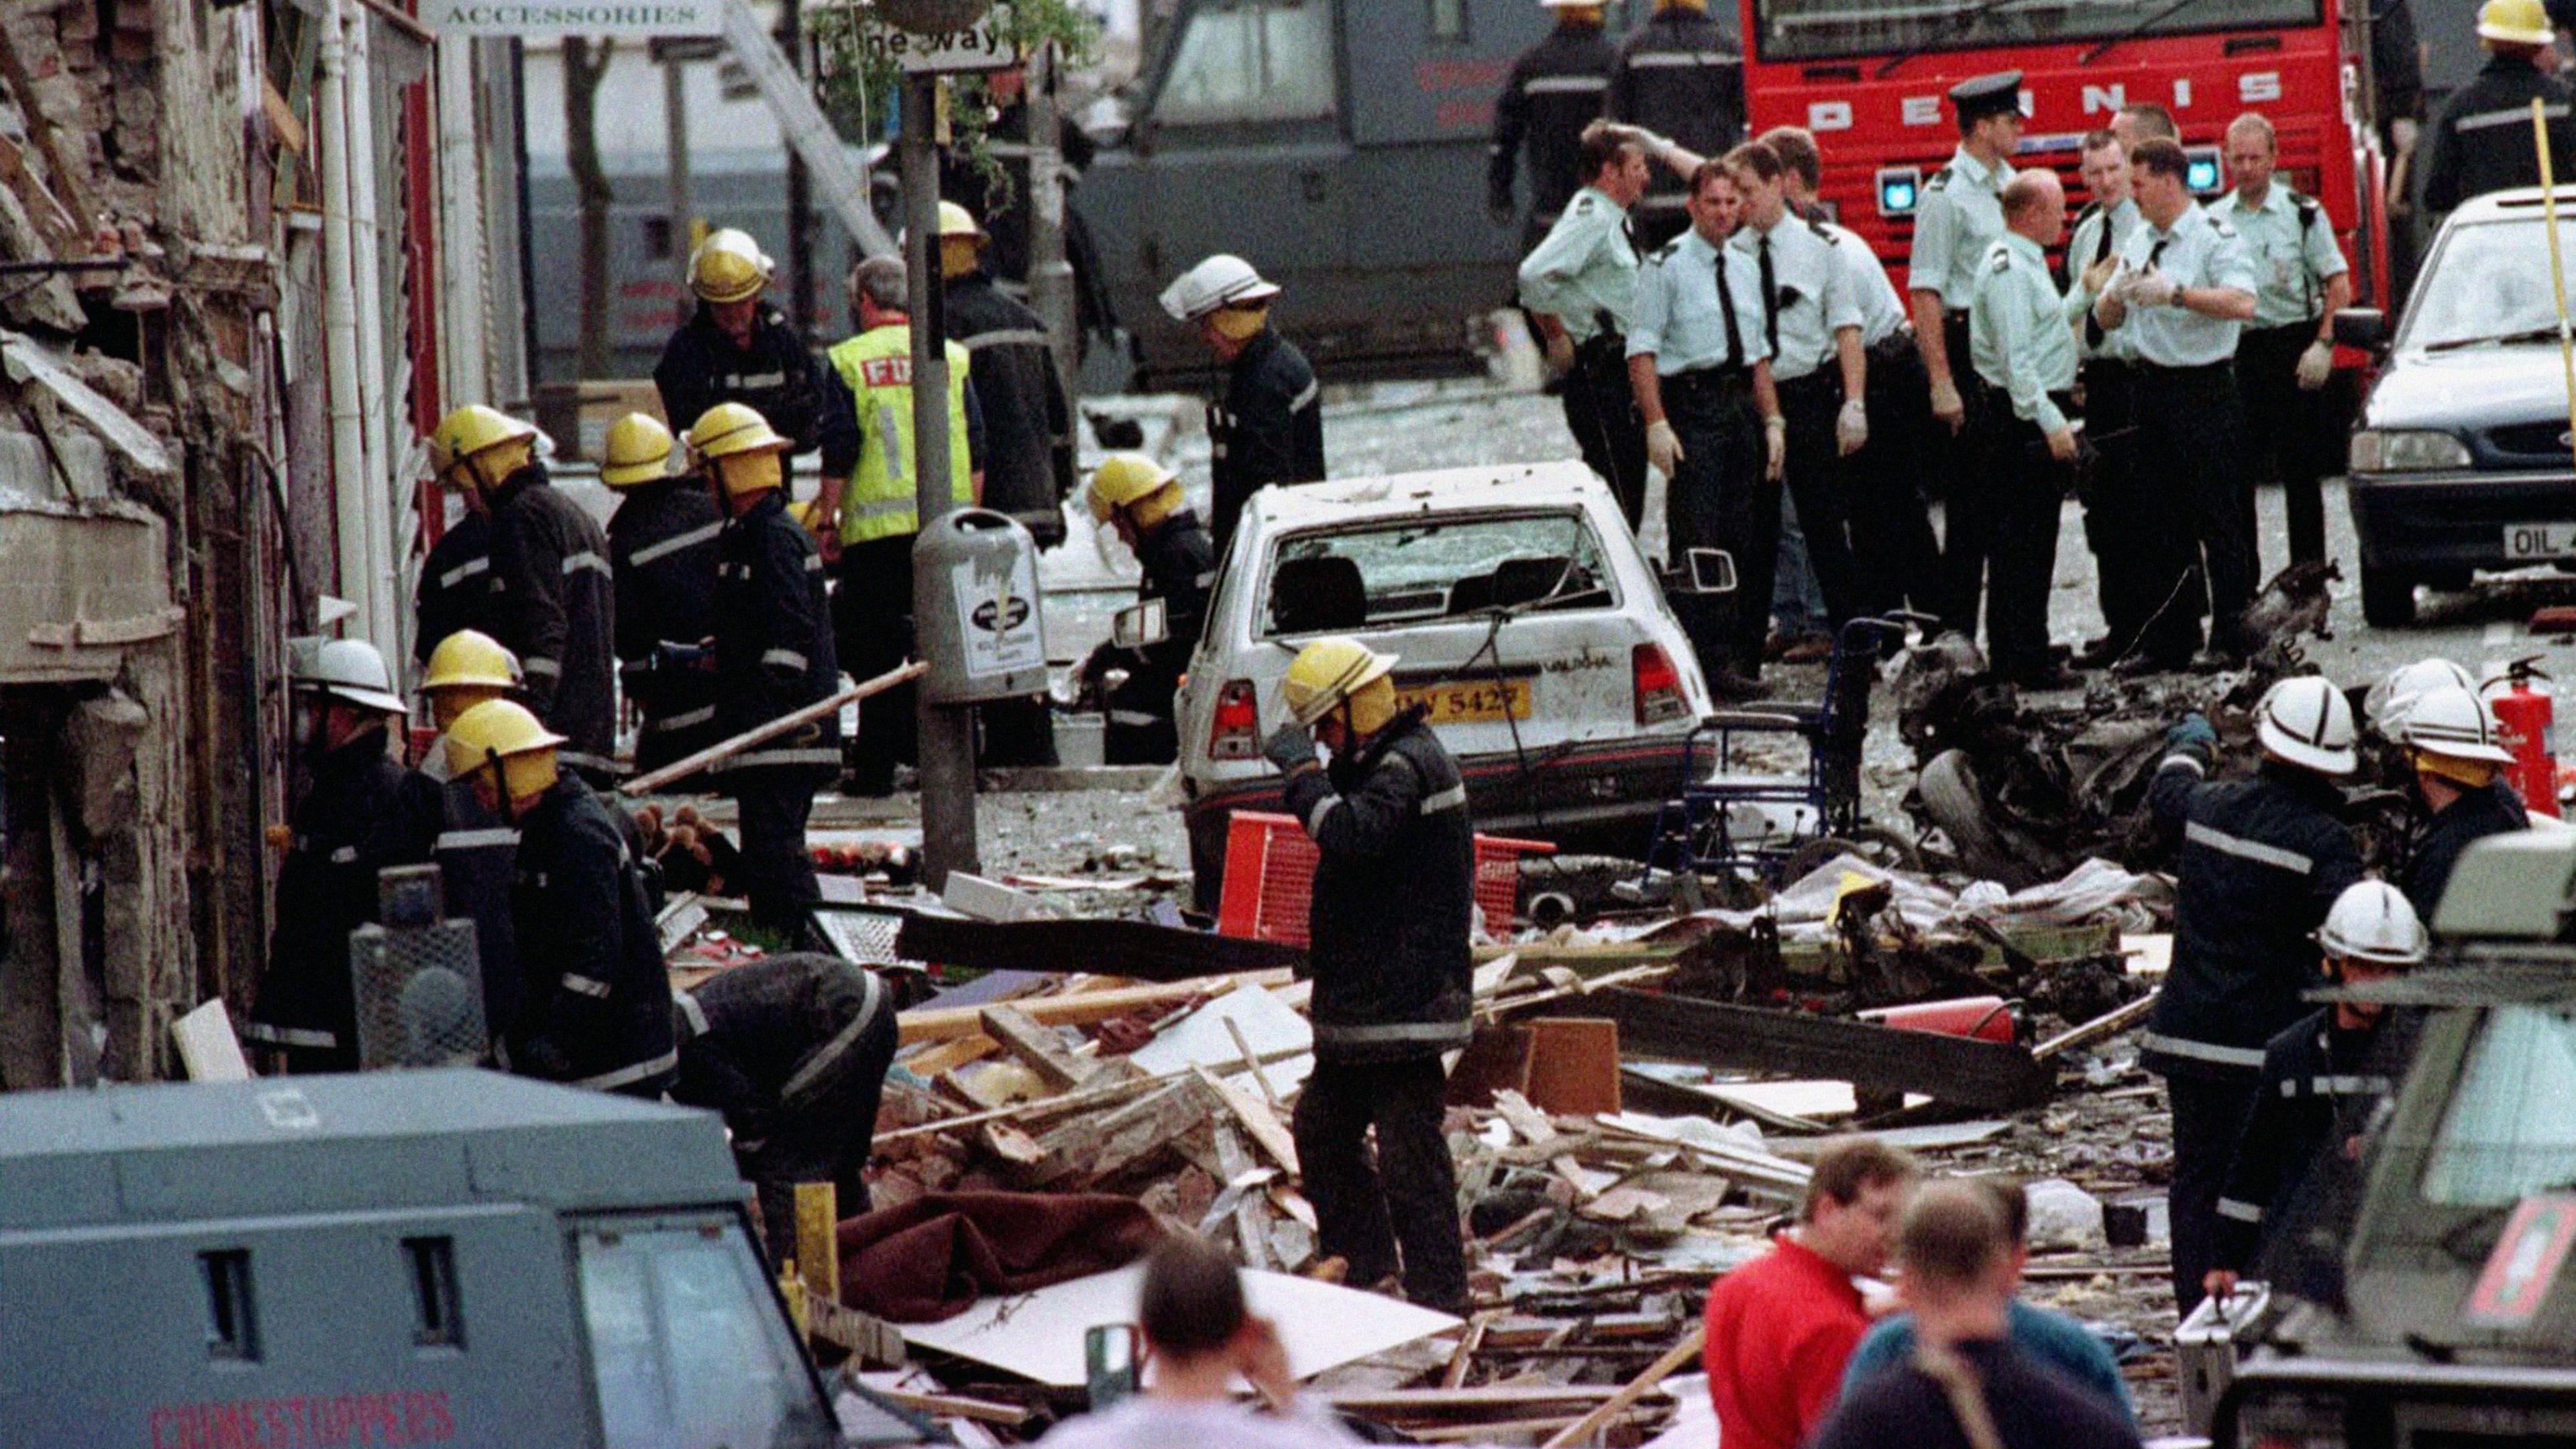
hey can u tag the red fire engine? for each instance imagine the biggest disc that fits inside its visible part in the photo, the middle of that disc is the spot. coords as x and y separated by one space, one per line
1869 78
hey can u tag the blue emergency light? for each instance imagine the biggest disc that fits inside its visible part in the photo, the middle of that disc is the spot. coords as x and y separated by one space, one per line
1899 187
2201 171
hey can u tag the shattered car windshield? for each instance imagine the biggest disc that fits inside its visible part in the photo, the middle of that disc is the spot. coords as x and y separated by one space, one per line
2490 280
1414 570
2507 1132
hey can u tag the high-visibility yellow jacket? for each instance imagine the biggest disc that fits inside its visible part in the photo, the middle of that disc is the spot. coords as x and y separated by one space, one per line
881 498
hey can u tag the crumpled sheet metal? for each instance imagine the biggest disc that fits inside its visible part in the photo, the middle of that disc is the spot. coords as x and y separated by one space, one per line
2092 891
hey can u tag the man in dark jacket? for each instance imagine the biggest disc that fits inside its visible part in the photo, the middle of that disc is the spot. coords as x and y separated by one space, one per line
793 1050
2450 739
1028 442
1680 76
1142 499
737 348
662 551
1387 942
354 820
1553 92
557 602
476 850
2262 860
1270 426
2323 1079
2481 141
597 1006
456 590
773 656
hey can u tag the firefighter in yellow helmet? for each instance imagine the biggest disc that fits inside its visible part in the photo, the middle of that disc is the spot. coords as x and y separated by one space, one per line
2466 152
554 603
1027 455
475 849
596 1003
867 513
662 549
465 669
1388 929
1142 500
457 591
735 347
773 655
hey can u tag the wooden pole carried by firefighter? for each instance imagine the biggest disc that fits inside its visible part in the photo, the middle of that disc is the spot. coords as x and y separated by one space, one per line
2557 262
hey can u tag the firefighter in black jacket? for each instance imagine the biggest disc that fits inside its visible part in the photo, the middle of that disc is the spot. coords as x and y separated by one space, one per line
1681 76
475 848
662 550
2481 141
597 1005
2450 739
1142 499
1554 91
793 1050
456 590
1028 442
2262 860
557 605
1388 945
1270 427
737 348
354 820
2324 1077
773 655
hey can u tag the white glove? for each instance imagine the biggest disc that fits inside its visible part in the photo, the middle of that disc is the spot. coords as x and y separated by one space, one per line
1851 427
2316 365
2151 288
1947 405
2403 131
1663 447
1775 448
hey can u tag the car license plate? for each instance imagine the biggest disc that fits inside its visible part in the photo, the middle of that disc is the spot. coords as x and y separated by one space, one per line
1475 701
2540 540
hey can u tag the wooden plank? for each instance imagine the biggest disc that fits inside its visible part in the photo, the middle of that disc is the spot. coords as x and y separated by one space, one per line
647 783
944 1023
2108 1024
1258 1121
1635 1389
818 1244
1417 1403
1137 949
1455 1375
1981 1074
1036 1047
956 1406
1573 1065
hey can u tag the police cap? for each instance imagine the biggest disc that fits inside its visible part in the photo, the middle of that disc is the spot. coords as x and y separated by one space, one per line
1992 94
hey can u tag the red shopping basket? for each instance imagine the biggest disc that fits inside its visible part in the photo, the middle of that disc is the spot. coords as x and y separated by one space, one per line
1270 877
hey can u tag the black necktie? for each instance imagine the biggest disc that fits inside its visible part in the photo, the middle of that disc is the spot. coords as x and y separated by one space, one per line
1770 297
2102 245
1726 308
2156 253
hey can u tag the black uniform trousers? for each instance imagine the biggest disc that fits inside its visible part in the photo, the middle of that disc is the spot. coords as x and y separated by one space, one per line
1896 558
1718 498
2021 490
772 806
2190 461
1601 411
2289 422
1407 1195
872 631
825 1137
2117 514
1968 510
2209 1113
1812 405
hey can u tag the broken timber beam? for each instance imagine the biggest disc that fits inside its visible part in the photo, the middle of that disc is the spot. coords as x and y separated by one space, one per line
1969 1073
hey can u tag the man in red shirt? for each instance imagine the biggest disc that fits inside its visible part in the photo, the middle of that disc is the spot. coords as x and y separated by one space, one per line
1781 1326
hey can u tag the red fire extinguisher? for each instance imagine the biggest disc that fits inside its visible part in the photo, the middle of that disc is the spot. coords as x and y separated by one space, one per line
2523 725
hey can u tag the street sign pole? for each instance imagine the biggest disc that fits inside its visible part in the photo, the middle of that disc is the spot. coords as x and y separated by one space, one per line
947 751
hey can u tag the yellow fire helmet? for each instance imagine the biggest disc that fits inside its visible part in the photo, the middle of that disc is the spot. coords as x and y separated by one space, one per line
2515 22
503 729
737 431
639 451
471 659
1329 671
468 433
729 267
1125 479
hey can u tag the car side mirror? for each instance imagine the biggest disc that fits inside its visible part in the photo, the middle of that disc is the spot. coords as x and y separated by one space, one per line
1139 625
2365 328
1705 571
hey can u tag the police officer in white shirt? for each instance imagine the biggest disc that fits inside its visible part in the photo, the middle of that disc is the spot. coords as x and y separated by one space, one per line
1579 285
2112 503
2185 286
2285 359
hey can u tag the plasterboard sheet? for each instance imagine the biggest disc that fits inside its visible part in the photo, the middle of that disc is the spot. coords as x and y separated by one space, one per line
1200 1038
1039 1335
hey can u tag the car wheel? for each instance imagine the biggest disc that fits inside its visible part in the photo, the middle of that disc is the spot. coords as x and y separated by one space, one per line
2387 599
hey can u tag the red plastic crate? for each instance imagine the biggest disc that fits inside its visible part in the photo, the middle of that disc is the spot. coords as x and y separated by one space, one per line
1270 877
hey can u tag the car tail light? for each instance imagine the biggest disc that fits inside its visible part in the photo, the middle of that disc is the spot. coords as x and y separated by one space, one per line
1659 685
1235 733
